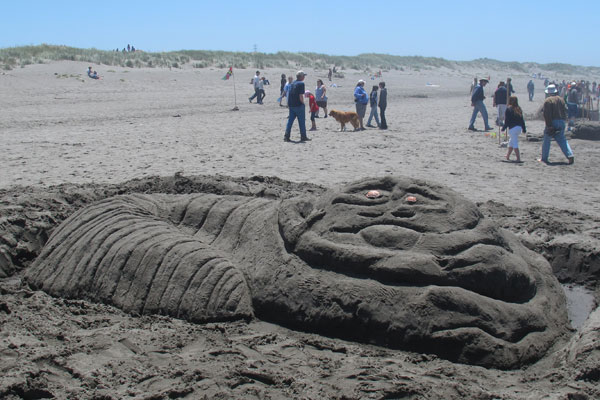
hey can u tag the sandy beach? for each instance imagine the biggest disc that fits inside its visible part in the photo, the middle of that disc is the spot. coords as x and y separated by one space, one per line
68 140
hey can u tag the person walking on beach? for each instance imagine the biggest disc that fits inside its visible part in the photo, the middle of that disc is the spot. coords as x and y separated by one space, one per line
555 114
321 97
361 99
516 124
382 104
478 107
530 88
261 90
373 103
296 108
255 83
329 76
281 92
499 101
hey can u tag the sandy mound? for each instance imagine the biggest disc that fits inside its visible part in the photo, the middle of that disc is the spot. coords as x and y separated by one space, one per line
589 130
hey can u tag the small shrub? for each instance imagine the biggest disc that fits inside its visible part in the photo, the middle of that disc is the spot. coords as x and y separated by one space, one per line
175 65
129 63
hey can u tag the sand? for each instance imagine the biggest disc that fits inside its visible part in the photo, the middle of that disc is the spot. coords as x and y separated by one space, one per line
59 127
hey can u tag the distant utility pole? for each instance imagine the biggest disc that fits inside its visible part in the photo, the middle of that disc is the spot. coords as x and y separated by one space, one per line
256 56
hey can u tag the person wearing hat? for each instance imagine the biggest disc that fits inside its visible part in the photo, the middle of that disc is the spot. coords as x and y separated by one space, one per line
478 106
296 108
555 114
361 98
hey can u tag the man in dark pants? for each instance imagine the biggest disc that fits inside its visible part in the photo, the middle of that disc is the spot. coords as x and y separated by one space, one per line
296 107
382 104
255 83
478 106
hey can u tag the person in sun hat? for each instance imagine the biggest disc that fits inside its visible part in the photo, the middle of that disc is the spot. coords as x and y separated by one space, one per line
555 114
478 106
361 98
296 108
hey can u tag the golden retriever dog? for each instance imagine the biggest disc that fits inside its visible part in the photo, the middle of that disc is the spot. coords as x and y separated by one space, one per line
344 117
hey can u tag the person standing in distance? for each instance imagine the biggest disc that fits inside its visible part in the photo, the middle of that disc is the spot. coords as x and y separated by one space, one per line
478 107
361 99
296 108
555 115
530 89
500 101
382 105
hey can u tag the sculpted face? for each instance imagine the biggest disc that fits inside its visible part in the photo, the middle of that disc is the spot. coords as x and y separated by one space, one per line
411 234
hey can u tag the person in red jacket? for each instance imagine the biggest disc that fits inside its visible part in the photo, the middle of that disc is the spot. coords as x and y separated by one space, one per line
314 109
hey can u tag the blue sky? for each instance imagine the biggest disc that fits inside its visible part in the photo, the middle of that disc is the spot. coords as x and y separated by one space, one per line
539 31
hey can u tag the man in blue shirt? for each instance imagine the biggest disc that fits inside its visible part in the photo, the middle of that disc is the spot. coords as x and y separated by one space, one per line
296 106
478 107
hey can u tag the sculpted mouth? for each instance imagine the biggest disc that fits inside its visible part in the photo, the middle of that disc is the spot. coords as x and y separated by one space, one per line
356 229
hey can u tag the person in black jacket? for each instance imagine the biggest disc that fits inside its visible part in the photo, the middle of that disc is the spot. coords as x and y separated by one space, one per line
382 104
516 124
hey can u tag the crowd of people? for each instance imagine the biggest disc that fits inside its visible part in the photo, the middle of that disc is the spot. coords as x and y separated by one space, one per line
561 104
128 49
292 94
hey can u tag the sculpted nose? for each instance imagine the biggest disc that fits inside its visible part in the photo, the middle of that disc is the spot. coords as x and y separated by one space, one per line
403 212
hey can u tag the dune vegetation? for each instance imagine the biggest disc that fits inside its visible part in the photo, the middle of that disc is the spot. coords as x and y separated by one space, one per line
14 57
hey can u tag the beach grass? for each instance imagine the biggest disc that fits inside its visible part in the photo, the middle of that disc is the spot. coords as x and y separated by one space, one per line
14 57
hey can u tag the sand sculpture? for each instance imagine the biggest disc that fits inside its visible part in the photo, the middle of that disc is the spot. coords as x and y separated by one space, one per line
413 266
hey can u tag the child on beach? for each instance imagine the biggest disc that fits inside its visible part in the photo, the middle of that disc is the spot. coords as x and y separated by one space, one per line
516 124
314 109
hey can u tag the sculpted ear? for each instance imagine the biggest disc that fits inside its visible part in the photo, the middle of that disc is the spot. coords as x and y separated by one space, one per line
295 217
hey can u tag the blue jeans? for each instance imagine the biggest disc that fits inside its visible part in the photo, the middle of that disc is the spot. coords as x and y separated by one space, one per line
558 124
255 95
572 110
373 114
479 107
296 112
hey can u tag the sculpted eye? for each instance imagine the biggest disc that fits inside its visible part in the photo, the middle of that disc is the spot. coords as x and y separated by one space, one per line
360 198
425 192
